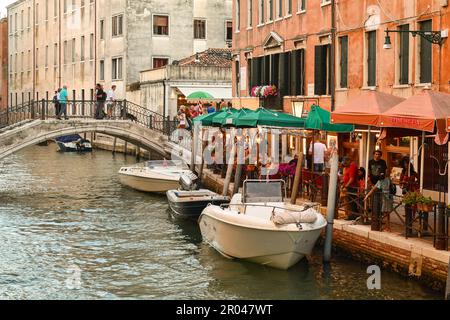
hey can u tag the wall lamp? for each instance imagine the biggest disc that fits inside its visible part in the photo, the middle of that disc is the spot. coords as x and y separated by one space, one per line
436 37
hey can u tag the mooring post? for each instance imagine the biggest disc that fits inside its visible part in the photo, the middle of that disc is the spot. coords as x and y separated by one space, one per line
138 153
114 146
447 288
125 148
332 190
298 172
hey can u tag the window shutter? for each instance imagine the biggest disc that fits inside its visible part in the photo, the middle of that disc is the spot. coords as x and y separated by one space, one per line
294 73
320 86
283 74
371 59
275 68
344 62
404 55
266 70
300 90
425 54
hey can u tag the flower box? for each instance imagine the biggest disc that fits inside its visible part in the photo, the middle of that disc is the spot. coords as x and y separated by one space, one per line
264 91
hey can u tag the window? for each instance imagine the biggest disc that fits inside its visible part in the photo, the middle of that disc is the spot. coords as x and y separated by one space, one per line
65 6
37 14
161 25
73 50
371 58
425 51
160 62
238 15
249 13
270 9
404 55
10 24
116 68
117 25
261 12
91 47
325 2
343 65
321 70
289 7
301 5
229 31
55 54
279 8
82 48
102 29
199 29
22 25
29 17
16 22
36 58
55 8
46 56
46 10
102 70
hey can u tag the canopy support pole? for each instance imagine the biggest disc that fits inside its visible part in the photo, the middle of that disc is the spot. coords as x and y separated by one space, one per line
368 156
194 147
230 165
298 171
332 190
204 144
422 161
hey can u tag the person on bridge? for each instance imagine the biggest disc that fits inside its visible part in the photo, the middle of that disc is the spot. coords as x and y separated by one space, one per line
63 97
110 101
100 104
56 102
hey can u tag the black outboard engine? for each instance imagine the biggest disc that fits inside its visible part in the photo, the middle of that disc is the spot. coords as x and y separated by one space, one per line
189 181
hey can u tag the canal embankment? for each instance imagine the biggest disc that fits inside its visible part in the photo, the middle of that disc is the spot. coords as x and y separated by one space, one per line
412 257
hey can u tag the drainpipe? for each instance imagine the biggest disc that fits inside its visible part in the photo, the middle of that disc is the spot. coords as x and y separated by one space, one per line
33 67
164 99
333 55
59 47
95 44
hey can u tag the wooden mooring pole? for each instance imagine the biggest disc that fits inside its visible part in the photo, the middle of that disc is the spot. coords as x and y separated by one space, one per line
447 288
332 191
114 146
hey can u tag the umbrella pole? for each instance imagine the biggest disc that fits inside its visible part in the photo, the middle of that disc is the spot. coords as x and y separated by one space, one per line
194 147
230 166
368 156
238 175
204 143
422 161
332 191
298 172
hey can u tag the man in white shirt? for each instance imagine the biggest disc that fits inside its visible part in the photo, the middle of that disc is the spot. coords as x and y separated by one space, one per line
320 150
110 100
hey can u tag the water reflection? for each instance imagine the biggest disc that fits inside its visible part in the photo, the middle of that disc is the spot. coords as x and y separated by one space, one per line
63 210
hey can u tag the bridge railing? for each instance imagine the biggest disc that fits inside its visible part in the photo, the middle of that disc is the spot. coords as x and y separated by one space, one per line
85 109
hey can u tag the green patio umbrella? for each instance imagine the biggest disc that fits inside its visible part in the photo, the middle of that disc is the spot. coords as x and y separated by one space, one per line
265 117
232 119
320 119
221 118
200 95
206 119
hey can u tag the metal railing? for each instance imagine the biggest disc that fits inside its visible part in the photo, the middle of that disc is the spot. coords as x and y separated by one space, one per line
88 109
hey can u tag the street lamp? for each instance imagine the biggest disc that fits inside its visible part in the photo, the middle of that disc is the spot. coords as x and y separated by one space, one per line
436 37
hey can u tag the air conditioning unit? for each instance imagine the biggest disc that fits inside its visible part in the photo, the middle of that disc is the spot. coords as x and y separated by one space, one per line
444 3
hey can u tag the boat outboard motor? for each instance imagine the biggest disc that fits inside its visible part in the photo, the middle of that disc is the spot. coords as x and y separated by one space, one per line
189 181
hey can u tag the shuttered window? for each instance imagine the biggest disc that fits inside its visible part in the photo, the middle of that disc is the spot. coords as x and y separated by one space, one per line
283 74
266 70
432 180
321 70
161 25
274 69
404 55
371 58
425 54
343 44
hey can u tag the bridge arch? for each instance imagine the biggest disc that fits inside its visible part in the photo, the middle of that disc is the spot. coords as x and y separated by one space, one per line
32 133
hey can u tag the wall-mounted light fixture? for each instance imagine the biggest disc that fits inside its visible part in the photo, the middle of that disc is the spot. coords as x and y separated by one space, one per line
436 37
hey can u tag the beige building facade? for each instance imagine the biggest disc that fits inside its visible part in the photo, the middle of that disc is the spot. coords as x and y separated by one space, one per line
79 43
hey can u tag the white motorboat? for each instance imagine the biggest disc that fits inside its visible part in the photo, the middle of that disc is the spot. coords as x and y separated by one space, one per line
153 176
258 226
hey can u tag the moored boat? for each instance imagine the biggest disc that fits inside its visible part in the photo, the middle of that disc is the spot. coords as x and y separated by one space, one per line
190 204
153 176
258 226
73 143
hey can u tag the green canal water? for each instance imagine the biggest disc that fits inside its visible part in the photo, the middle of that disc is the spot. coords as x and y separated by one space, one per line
69 230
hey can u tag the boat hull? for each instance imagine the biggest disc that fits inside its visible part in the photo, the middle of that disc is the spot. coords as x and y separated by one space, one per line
72 147
277 248
192 207
146 184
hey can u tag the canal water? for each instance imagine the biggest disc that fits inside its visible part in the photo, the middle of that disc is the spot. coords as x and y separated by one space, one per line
69 230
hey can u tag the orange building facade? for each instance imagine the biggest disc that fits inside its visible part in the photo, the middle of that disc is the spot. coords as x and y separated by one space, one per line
287 43
3 63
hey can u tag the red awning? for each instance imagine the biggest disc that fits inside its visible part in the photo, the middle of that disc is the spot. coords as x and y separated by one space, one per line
365 109
422 112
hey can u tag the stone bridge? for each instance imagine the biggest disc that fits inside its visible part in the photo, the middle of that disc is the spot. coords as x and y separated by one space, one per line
31 132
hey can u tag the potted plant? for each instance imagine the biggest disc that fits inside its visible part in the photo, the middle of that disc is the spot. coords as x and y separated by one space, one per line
425 204
411 199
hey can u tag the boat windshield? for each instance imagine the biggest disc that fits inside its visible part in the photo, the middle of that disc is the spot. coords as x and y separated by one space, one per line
263 191
172 164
